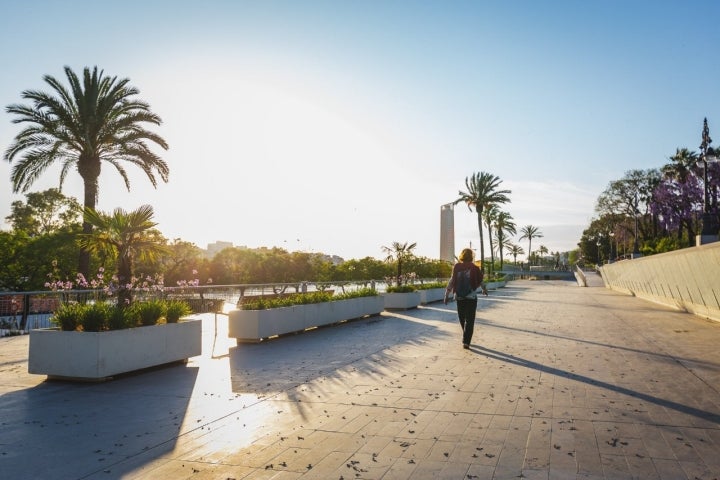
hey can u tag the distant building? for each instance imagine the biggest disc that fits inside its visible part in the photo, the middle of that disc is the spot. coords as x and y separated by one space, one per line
447 232
217 247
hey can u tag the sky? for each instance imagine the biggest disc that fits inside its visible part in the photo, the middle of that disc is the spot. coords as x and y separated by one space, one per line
340 127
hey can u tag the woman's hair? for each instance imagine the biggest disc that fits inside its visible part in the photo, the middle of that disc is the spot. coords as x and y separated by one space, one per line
466 255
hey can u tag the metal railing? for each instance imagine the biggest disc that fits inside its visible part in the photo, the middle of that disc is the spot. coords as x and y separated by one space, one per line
21 312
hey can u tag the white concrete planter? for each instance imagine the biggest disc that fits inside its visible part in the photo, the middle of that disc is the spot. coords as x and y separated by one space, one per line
431 295
100 355
495 285
255 325
401 301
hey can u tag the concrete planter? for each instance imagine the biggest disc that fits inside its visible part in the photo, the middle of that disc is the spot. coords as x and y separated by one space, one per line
431 295
495 285
256 325
401 301
101 355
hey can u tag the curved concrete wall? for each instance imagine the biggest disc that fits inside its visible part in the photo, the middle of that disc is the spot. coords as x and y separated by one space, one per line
687 279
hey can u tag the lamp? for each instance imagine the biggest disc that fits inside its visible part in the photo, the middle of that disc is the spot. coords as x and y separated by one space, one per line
709 231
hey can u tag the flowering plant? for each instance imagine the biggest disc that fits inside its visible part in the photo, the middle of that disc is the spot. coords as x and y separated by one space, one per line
99 315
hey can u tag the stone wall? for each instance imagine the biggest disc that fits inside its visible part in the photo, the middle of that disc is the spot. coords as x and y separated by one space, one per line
687 279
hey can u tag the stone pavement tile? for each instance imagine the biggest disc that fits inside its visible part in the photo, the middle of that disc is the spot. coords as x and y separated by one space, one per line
615 467
401 469
680 447
417 448
456 426
702 442
427 469
698 470
454 470
168 469
396 448
669 469
467 450
642 467
537 459
532 474
271 475
512 455
441 451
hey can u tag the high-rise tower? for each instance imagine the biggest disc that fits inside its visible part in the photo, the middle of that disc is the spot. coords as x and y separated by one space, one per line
447 232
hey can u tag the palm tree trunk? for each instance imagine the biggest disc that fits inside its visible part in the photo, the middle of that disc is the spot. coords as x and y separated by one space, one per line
90 184
492 251
529 251
482 243
124 280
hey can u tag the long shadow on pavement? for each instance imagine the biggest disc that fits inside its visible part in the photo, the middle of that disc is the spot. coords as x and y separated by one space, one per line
678 407
74 430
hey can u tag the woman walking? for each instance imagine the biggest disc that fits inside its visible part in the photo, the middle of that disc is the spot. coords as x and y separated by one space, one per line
465 279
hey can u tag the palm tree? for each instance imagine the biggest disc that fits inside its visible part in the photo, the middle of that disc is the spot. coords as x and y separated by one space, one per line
95 121
516 250
504 228
482 190
543 250
490 213
530 232
501 243
399 252
684 162
125 237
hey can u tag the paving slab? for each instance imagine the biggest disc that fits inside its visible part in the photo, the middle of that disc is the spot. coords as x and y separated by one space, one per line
560 382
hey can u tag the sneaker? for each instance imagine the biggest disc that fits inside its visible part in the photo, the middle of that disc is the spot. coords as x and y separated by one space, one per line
466 345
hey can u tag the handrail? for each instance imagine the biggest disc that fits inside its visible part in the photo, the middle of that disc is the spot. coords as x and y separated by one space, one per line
23 311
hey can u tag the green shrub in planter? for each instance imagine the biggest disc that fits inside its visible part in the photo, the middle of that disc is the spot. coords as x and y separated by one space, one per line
401 289
264 303
95 317
176 309
360 292
150 311
68 316
429 286
122 318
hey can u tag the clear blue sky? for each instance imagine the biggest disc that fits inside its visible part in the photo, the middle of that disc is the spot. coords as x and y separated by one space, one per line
341 126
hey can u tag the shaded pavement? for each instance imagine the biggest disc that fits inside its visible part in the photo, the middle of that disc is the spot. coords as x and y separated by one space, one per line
560 382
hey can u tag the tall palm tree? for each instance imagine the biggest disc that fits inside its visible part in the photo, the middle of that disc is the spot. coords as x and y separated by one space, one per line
530 232
504 229
516 250
482 190
125 237
96 120
399 252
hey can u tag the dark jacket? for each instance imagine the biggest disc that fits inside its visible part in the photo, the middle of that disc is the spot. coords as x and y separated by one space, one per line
476 276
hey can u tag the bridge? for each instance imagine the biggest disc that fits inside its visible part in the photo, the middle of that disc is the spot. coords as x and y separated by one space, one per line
538 274
559 382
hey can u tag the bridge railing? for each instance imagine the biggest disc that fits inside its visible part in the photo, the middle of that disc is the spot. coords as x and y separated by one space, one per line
21 312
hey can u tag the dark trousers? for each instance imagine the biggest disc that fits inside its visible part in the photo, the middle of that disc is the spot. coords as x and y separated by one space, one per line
466 314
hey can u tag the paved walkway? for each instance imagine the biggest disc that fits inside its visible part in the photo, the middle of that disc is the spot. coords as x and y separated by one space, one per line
561 382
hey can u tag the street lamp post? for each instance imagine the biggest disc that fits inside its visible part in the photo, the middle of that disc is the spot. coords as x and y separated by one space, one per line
709 231
636 250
